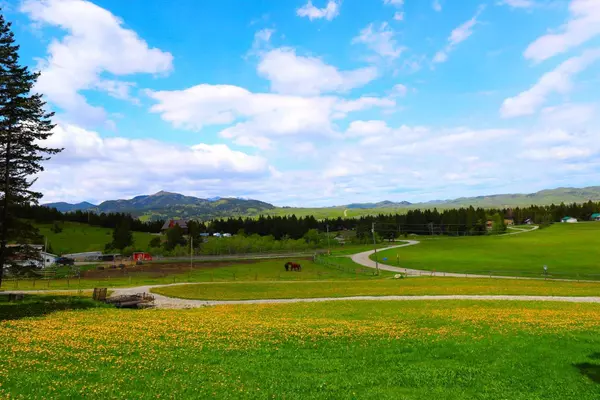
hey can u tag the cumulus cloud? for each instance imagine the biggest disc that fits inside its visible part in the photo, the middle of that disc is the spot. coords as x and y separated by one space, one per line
583 26
399 16
117 166
329 12
457 36
264 115
436 5
381 40
290 73
96 43
556 81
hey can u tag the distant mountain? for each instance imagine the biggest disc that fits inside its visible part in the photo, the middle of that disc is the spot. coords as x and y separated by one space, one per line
66 207
381 204
543 197
165 205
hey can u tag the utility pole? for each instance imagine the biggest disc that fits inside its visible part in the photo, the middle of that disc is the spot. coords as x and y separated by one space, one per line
375 247
328 246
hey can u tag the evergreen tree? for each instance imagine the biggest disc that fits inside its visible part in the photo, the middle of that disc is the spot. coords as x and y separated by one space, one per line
122 236
24 125
174 238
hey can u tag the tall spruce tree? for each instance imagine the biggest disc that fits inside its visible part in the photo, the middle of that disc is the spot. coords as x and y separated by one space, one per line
24 125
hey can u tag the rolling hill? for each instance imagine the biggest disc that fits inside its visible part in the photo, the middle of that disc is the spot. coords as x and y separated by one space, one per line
164 205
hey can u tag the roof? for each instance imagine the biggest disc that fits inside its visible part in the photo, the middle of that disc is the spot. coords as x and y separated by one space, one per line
172 222
596 215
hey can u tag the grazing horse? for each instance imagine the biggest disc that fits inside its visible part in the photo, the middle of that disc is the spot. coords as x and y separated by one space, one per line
292 266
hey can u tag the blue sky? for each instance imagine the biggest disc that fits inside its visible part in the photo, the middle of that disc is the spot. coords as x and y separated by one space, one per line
315 103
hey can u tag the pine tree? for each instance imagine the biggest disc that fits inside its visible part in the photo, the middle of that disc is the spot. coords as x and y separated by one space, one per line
24 125
122 236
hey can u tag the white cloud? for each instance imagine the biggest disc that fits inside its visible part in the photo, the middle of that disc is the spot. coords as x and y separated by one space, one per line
436 5
94 166
380 40
262 40
518 3
293 74
399 16
556 81
329 12
569 115
583 26
457 36
399 90
397 3
264 115
558 153
96 43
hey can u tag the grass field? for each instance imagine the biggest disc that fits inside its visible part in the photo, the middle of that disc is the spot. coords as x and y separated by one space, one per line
79 238
385 287
567 249
157 274
344 350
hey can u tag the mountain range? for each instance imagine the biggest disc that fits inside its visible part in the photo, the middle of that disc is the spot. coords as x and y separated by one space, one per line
164 205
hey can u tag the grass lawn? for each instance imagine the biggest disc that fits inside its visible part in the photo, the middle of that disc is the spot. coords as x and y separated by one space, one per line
79 238
384 287
567 250
344 350
154 274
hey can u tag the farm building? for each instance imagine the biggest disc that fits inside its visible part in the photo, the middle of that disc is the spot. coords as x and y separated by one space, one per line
596 217
569 220
509 221
38 258
87 256
528 221
171 223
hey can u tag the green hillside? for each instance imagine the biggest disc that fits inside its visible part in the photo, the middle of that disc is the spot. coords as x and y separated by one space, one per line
77 238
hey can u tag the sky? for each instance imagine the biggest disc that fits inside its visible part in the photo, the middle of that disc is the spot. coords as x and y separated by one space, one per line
315 103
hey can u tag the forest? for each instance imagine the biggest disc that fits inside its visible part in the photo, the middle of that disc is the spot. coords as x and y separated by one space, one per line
462 221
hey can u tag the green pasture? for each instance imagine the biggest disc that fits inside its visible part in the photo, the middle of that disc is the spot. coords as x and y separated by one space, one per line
382 287
79 238
234 271
337 350
569 251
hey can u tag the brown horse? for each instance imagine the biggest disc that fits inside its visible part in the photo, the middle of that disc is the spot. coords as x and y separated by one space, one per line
292 266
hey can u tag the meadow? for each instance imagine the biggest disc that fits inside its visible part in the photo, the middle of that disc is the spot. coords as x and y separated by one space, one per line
381 287
343 350
569 250
79 238
178 272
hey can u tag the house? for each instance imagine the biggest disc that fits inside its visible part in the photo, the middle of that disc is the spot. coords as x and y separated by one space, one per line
509 221
569 220
596 217
227 235
172 222
528 221
38 257
489 225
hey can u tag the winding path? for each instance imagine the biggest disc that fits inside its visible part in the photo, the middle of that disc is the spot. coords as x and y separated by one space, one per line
360 258
364 259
